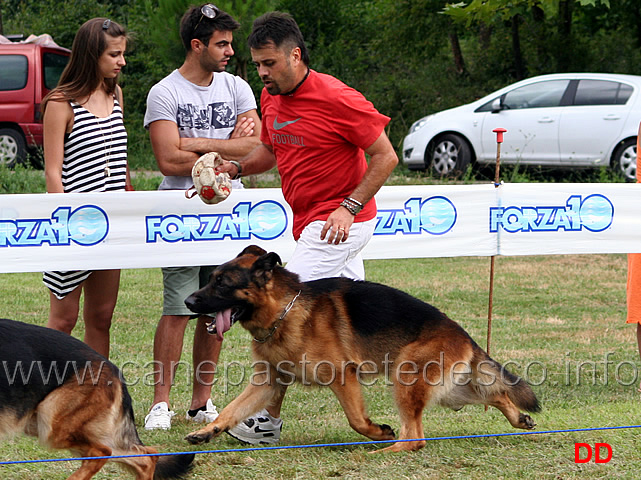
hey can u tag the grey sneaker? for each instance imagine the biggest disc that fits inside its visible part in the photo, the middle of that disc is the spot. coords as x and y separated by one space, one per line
260 428
208 415
159 417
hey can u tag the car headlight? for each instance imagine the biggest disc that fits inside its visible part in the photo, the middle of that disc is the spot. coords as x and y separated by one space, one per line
417 125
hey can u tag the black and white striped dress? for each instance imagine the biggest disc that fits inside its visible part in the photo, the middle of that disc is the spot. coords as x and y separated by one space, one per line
95 160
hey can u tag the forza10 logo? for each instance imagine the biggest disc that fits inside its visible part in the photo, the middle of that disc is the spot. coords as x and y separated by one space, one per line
594 213
87 225
436 216
266 220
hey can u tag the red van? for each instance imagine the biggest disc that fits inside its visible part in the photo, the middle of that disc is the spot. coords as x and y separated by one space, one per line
27 73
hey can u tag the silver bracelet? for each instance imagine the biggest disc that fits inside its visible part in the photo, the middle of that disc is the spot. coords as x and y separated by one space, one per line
352 206
240 169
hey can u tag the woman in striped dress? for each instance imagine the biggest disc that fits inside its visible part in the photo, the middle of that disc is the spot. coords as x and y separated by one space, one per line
85 150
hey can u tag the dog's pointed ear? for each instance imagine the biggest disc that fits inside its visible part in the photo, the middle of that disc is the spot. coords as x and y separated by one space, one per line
252 250
263 267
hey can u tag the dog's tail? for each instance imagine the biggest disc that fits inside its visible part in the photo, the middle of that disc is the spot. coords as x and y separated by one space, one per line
492 377
128 443
174 466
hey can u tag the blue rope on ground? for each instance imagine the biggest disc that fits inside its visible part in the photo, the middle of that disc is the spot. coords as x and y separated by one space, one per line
343 444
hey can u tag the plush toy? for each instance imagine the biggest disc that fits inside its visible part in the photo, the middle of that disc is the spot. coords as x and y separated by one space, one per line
212 187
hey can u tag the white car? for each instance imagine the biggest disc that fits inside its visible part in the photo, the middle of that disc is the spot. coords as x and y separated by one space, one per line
561 120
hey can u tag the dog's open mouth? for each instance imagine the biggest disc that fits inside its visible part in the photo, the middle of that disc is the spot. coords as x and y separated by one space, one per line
223 322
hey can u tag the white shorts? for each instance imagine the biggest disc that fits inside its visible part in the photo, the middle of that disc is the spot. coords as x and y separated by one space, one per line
314 258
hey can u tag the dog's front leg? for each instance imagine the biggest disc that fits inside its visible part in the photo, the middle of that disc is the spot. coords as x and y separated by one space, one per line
261 391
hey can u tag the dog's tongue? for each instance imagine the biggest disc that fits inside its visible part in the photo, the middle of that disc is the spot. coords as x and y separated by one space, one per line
223 323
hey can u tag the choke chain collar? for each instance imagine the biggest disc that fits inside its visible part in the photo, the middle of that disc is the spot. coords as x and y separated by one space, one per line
277 323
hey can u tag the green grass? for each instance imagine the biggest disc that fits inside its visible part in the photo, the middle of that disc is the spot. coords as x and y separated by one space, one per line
145 175
555 319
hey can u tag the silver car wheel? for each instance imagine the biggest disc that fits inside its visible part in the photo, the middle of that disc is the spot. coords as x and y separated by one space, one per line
449 156
624 160
12 147
444 158
628 163
8 149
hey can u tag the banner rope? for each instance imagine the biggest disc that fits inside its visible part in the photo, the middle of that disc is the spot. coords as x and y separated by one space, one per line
342 444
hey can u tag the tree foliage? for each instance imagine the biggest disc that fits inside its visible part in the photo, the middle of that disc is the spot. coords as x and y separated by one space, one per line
59 19
409 57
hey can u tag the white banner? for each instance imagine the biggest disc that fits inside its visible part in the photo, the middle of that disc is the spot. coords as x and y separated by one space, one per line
152 229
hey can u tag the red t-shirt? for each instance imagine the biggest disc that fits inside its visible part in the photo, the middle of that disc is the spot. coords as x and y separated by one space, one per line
318 135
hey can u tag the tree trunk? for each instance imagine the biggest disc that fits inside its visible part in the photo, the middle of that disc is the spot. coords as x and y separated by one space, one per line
459 62
540 35
242 73
565 17
636 14
485 35
519 69
565 36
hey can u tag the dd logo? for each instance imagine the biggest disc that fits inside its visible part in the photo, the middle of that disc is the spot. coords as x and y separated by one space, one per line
588 452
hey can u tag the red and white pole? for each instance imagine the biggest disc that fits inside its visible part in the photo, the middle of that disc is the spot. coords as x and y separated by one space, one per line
499 140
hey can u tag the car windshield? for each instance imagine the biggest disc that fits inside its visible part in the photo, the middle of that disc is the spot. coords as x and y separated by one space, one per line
537 95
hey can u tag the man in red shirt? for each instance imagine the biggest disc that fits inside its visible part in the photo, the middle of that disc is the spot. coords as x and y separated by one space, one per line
316 130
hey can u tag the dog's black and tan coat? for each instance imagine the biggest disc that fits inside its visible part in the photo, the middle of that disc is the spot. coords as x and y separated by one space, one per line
58 389
332 331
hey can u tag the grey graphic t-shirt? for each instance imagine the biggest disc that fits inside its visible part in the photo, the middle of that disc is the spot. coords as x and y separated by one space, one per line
209 112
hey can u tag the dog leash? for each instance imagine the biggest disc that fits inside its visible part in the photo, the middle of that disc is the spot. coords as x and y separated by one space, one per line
277 323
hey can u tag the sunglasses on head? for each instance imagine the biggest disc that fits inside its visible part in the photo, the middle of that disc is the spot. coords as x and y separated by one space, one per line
208 10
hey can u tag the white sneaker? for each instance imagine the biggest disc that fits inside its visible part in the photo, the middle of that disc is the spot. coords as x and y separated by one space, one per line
208 415
261 428
159 417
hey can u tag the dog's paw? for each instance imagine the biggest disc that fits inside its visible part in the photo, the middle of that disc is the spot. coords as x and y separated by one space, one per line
526 421
388 432
198 437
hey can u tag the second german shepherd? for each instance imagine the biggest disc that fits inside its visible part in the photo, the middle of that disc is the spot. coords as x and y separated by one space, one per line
57 388
334 331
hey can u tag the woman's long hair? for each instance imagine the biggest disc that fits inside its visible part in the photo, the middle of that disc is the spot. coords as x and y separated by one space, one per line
82 76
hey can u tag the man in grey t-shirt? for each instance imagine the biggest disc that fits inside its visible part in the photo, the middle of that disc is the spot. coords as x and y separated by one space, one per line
198 108
204 118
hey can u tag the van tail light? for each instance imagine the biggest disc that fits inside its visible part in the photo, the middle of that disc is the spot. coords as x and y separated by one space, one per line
37 114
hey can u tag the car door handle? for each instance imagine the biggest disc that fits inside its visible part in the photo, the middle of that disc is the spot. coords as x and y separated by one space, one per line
612 117
546 120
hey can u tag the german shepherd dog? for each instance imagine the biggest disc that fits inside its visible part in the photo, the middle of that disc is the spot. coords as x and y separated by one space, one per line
334 331
56 388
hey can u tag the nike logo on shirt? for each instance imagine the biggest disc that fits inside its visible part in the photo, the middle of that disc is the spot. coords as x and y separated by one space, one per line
278 125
